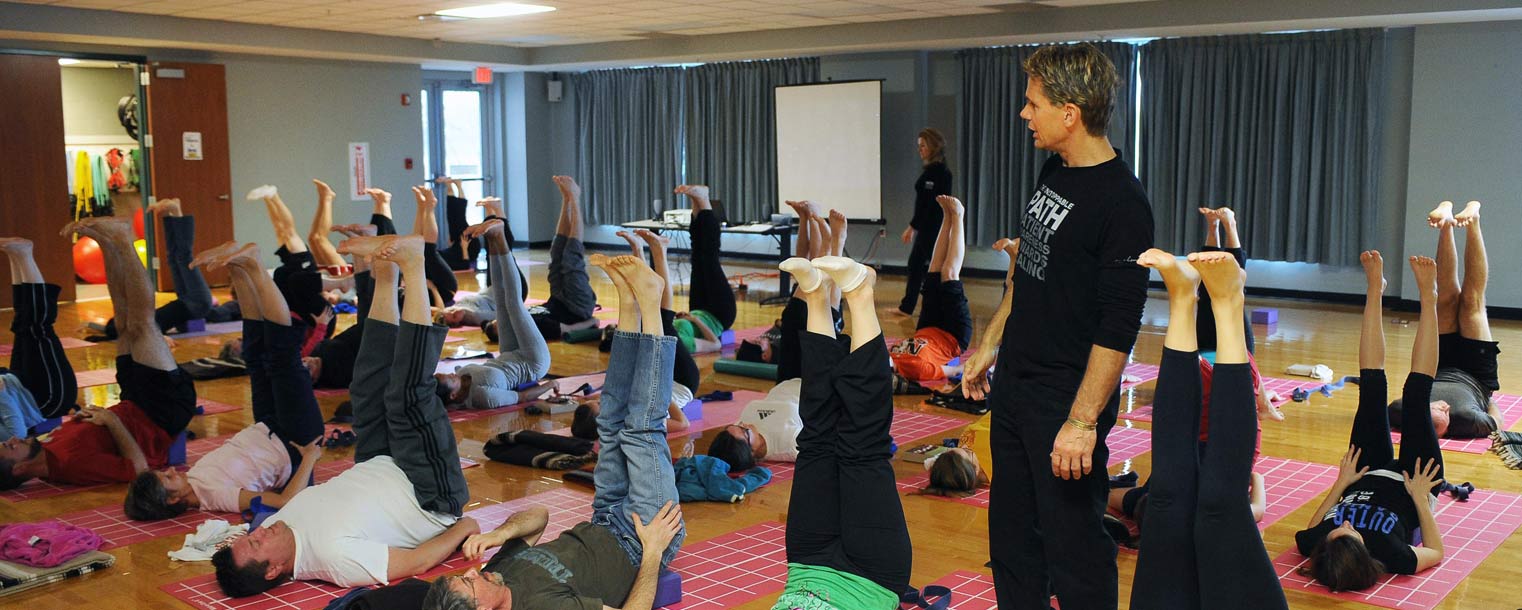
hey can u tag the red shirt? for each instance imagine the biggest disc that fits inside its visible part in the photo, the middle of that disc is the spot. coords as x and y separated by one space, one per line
923 356
1206 372
82 453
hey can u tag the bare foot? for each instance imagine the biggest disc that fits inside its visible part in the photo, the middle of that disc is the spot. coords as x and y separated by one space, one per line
837 223
493 206
1266 407
424 197
1374 270
951 205
808 278
1441 215
655 241
644 281
380 197
697 193
491 227
169 207
1425 270
1009 246
103 228
324 192
569 190
263 192
246 256
1210 216
1220 274
847 274
634 245
16 246
212 255
801 208
1226 215
395 248
1470 214
356 230
1181 278
626 298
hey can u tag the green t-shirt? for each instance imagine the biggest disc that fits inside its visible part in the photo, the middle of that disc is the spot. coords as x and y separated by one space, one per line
820 588
583 569
688 334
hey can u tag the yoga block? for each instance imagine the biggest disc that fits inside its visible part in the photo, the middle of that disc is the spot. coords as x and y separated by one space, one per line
727 338
693 410
192 326
47 425
668 589
582 335
1265 316
177 450
759 370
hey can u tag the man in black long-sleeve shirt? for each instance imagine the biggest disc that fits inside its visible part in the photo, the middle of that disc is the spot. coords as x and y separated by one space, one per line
1078 299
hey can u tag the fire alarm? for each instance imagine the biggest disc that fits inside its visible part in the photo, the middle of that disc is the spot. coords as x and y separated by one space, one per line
407 162
406 99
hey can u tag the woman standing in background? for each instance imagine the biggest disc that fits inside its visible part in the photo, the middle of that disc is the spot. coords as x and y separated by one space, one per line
933 182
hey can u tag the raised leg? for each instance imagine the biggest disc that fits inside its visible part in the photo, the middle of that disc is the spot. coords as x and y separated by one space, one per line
660 263
322 224
1371 424
569 224
1474 323
1419 439
1448 288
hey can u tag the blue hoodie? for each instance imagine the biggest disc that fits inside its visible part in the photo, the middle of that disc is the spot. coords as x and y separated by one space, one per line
704 478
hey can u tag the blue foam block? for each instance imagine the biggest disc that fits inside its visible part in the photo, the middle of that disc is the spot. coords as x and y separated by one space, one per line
693 410
177 450
47 425
727 338
668 589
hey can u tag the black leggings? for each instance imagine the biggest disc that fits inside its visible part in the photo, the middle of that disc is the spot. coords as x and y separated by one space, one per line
709 289
845 512
787 353
1204 319
1203 549
1371 426
37 357
455 223
435 269
918 266
684 369
532 448
279 386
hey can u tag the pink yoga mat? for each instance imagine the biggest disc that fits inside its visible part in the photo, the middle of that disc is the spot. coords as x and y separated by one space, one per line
907 427
1471 532
212 407
92 378
67 342
1511 412
1142 371
1126 443
732 569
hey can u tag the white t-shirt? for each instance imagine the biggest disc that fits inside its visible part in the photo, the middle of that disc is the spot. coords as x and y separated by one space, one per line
344 528
253 459
776 418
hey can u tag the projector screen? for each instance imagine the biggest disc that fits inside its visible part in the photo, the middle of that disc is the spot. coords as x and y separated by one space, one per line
829 147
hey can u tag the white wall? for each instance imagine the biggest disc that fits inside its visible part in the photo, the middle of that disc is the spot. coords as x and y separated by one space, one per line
89 100
1466 141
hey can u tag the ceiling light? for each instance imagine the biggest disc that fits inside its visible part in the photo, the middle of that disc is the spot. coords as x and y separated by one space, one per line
490 11
67 61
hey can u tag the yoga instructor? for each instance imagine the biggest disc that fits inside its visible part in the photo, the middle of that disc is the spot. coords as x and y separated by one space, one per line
1078 295
933 182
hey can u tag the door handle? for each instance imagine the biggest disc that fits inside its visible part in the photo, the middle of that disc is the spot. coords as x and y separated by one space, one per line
224 197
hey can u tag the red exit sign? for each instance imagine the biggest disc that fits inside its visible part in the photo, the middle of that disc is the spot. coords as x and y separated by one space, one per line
482 76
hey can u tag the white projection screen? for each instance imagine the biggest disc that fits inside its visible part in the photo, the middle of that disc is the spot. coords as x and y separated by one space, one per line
829 147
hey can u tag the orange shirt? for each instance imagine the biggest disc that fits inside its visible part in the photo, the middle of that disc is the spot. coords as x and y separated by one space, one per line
921 357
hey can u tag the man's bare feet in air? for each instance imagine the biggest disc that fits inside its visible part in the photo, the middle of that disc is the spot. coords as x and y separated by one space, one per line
1470 214
1441 215
1374 271
492 228
212 257
165 207
634 245
246 257
398 249
697 194
356 230
569 190
324 192
103 228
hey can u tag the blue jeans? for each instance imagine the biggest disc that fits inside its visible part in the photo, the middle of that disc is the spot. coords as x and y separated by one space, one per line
634 473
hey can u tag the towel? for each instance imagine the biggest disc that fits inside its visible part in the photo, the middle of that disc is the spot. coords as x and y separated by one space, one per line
45 544
209 537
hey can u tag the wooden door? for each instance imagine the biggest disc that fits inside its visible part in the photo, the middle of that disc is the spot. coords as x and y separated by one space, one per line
34 202
187 103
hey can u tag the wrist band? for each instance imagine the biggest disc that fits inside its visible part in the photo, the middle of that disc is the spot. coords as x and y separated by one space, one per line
1082 425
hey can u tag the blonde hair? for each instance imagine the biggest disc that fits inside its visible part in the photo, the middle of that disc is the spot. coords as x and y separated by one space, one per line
1077 74
937 144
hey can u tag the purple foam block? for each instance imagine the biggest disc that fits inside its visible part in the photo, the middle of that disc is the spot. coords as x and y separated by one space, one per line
1265 316
693 410
668 589
177 450
193 326
727 338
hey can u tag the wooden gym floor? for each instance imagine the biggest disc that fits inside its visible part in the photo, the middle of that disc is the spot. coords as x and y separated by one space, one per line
948 536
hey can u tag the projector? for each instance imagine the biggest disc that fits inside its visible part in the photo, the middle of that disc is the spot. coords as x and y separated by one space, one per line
679 218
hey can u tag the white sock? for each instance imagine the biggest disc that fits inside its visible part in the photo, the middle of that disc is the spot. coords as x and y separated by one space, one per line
262 192
847 273
806 275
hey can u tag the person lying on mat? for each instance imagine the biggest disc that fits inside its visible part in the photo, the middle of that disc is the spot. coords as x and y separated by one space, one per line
584 421
40 382
1462 405
767 430
572 300
192 297
271 460
158 398
1203 548
1365 527
1218 222
945 326
710 299
819 234
525 357
396 513
839 555
615 559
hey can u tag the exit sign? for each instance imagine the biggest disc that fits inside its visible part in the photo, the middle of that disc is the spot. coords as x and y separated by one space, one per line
482 76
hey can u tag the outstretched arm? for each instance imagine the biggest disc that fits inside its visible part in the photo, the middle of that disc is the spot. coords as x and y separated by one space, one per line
402 563
654 538
126 445
975 374
527 525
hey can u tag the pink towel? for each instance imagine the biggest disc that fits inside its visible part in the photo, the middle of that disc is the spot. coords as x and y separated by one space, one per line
45 544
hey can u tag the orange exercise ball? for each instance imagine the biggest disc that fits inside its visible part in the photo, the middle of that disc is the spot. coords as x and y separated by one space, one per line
137 223
89 263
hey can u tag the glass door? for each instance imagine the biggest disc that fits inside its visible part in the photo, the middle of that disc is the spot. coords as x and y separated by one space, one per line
456 120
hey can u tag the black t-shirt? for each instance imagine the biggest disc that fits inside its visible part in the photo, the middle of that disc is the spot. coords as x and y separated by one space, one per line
1382 511
1467 417
583 569
933 182
338 355
1077 283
